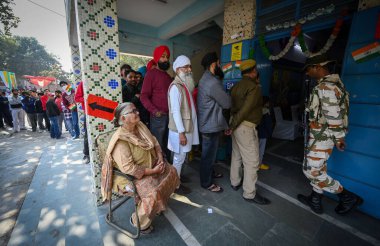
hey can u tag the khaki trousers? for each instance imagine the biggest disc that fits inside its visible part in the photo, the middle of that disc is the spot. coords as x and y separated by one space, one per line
245 150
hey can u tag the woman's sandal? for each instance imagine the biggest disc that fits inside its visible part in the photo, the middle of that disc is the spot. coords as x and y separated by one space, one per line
215 188
143 232
217 175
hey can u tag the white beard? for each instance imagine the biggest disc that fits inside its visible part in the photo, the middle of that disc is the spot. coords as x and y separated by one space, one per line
188 80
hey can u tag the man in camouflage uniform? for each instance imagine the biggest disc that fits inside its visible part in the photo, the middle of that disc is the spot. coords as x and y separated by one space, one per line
328 112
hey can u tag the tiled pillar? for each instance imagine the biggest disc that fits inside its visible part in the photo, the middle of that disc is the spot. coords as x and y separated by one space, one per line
98 43
239 20
77 73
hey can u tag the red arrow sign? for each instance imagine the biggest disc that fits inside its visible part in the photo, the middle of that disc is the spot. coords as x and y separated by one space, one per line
100 107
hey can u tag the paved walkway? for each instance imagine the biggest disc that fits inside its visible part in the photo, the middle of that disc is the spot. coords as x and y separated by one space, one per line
59 208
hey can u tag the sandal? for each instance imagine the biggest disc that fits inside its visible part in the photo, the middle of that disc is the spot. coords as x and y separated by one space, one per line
217 175
215 188
143 232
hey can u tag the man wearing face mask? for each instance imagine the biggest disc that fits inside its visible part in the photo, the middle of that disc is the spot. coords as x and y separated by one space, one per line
211 101
154 95
183 126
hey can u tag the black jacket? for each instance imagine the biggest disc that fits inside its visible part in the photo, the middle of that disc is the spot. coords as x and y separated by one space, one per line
52 109
38 106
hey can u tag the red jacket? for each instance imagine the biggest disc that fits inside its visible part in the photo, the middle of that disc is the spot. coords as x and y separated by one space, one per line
79 96
44 100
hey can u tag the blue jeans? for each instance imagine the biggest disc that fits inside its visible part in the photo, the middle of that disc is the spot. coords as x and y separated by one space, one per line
159 129
210 143
54 127
75 124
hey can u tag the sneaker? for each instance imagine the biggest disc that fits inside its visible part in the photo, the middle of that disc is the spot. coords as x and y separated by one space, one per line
86 159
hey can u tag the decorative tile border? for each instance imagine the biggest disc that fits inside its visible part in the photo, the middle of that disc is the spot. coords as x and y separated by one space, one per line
77 74
99 51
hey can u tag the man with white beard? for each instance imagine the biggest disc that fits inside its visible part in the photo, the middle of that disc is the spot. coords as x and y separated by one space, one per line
183 125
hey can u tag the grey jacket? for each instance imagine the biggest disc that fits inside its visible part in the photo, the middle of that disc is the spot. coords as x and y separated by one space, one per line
211 100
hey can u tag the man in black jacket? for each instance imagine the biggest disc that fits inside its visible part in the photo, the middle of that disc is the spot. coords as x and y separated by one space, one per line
5 113
53 113
40 111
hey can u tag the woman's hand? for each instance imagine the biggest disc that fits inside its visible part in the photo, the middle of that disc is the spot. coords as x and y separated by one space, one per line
159 168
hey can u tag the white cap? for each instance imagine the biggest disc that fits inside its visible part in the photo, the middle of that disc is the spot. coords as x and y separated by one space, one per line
181 61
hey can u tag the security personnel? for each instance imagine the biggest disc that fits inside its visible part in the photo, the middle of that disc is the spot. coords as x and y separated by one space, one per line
328 121
246 114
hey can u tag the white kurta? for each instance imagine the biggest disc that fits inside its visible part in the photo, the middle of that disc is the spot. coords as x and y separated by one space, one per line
193 137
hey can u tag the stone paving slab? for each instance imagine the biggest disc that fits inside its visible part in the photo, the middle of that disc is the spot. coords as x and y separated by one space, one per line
59 209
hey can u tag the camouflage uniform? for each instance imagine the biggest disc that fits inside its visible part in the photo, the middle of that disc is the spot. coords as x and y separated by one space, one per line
328 110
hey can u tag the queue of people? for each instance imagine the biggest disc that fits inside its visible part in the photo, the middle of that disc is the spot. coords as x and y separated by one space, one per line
44 111
183 114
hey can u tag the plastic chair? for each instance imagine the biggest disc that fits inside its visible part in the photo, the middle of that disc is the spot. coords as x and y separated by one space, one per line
284 129
101 144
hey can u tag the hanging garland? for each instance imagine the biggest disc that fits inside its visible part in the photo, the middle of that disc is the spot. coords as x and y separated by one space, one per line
328 44
296 31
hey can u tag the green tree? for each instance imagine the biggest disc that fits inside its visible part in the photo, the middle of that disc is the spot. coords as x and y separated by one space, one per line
7 18
25 56
134 61
56 71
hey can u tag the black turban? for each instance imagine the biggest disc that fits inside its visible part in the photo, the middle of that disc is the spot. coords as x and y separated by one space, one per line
208 59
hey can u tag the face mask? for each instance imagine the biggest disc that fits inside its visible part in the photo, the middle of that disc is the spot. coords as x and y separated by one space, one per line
164 65
219 72
188 80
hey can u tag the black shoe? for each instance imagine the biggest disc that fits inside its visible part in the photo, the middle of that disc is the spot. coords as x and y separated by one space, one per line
236 187
182 190
184 179
347 202
314 201
258 199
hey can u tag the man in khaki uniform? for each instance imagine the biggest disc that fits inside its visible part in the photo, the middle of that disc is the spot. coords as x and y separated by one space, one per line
246 113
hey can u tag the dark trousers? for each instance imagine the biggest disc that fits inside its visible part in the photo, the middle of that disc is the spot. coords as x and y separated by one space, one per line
54 127
40 121
32 120
47 121
159 129
6 117
210 143
86 151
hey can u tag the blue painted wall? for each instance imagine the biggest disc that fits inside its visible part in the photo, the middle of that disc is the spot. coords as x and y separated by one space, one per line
358 168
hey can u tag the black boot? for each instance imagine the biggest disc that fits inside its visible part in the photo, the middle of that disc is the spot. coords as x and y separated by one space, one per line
347 202
314 201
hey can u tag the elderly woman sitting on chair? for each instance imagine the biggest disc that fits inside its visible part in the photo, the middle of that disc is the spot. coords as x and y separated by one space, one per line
135 151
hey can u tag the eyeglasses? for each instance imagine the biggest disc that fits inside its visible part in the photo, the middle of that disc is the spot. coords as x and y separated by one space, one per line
133 111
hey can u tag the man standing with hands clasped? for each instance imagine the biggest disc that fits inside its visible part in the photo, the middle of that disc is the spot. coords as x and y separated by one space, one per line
246 114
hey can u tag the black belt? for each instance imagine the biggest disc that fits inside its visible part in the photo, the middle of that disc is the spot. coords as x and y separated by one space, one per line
16 105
